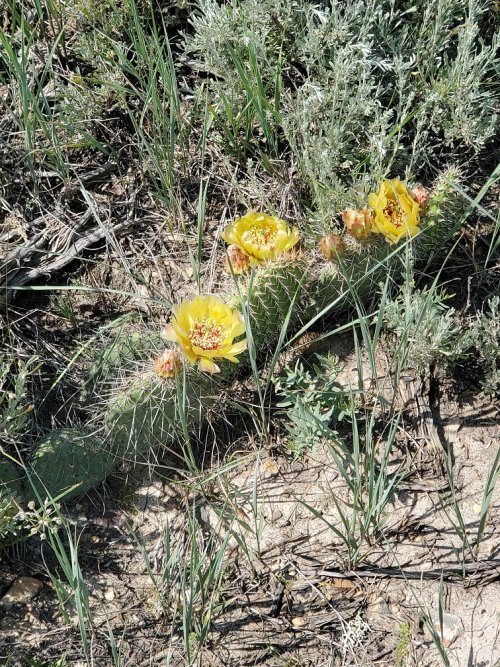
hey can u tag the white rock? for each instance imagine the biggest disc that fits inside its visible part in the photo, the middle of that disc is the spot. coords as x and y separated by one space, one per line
21 591
109 594
452 627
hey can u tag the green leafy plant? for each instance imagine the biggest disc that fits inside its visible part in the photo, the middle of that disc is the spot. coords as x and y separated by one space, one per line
425 328
311 397
15 408
402 650
484 336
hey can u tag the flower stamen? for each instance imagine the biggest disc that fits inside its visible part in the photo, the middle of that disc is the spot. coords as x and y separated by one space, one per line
261 236
206 334
394 212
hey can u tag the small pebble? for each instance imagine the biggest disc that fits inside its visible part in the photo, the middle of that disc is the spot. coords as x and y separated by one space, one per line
109 594
21 591
452 627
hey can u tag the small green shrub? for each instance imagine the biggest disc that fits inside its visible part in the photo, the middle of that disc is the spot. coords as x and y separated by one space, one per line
15 426
358 90
484 336
425 328
312 398
10 528
402 650
15 406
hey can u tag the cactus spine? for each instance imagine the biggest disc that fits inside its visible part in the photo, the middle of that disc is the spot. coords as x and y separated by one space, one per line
444 215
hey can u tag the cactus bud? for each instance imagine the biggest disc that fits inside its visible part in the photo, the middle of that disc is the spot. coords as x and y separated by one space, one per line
358 222
237 260
168 364
421 196
331 246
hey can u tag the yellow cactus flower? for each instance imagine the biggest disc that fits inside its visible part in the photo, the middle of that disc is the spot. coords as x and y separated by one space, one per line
397 214
168 364
205 329
261 236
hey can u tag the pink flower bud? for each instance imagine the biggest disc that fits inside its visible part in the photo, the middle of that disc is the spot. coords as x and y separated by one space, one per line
358 222
331 246
169 363
236 259
421 196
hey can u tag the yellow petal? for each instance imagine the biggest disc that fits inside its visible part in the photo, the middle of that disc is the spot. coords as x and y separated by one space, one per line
209 354
190 356
230 234
208 366
238 347
374 200
293 238
169 333
238 326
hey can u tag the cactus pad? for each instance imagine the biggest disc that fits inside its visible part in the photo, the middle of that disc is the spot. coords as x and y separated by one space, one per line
68 457
148 412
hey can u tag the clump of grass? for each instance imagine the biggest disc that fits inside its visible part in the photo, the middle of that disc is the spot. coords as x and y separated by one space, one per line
15 428
188 587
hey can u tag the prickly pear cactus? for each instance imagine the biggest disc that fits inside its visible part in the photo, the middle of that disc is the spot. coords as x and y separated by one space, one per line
146 412
358 272
445 212
151 413
67 458
275 295
354 277
11 478
126 348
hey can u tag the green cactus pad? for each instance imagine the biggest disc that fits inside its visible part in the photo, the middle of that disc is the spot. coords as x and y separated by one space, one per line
66 458
354 276
270 295
125 349
11 479
149 412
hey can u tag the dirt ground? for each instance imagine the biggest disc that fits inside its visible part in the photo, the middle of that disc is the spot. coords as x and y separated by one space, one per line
288 598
